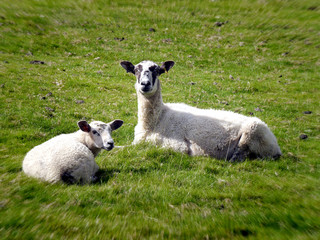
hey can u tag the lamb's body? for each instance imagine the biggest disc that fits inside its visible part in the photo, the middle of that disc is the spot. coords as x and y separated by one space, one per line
215 133
60 157
70 158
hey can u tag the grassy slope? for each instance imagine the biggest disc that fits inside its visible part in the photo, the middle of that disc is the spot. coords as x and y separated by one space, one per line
271 49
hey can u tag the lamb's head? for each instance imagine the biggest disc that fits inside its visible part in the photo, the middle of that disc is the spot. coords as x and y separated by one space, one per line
98 134
147 73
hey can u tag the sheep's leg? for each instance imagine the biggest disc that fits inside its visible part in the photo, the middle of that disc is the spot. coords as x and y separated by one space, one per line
188 146
239 155
191 148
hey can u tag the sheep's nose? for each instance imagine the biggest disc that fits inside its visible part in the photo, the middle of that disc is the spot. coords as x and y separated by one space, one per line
111 143
145 83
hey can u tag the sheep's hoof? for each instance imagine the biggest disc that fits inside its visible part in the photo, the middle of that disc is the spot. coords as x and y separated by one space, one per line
94 179
277 156
67 178
236 159
239 156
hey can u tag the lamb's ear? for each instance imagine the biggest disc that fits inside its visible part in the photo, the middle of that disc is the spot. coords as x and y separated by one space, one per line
166 66
84 126
116 124
128 66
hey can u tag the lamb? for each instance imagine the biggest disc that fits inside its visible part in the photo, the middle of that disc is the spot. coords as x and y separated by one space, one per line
207 132
69 158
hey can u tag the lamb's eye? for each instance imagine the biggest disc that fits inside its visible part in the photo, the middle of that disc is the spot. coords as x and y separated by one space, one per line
95 132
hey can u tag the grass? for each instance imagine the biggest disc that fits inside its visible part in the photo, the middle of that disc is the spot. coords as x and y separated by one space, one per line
271 50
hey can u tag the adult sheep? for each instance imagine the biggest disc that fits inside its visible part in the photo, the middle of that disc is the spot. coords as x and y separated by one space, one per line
219 134
70 157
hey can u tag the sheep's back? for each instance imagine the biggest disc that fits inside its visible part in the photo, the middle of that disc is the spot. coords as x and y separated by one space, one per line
180 115
49 160
213 131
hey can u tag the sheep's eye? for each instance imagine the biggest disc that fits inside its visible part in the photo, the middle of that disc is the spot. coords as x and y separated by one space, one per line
95 132
152 68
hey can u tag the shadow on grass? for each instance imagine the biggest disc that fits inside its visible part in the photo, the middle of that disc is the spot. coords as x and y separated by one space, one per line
103 175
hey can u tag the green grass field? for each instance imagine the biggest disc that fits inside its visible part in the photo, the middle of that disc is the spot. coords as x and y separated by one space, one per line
271 49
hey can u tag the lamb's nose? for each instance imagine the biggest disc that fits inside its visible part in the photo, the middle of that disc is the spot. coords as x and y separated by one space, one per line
110 143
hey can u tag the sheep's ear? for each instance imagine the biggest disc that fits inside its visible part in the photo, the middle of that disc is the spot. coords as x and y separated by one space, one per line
166 66
84 126
116 124
128 66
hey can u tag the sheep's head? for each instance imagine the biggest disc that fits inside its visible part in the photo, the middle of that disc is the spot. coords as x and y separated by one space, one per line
99 133
147 73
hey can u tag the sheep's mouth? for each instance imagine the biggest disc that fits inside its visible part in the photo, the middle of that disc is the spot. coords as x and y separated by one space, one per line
145 89
108 148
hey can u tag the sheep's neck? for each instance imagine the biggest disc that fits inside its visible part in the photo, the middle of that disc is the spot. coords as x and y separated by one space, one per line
85 140
149 109
95 151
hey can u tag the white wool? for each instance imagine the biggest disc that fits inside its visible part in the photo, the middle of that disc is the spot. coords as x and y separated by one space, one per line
64 153
216 133
70 157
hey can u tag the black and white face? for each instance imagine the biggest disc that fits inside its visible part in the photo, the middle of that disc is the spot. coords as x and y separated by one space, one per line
147 73
100 132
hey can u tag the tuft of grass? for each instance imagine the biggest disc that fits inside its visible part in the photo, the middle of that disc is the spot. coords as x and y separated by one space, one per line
271 50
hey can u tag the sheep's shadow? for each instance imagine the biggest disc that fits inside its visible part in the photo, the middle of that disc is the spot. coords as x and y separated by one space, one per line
104 175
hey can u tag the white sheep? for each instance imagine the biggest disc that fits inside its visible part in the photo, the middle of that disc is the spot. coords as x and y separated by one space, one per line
219 134
70 157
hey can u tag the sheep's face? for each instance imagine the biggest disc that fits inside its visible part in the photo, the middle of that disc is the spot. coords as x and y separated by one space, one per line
147 73
99 133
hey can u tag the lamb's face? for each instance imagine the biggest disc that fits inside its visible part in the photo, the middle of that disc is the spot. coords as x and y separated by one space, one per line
147 73
100 133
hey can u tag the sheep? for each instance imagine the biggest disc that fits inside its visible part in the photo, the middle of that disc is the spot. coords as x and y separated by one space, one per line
69 158
197 132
